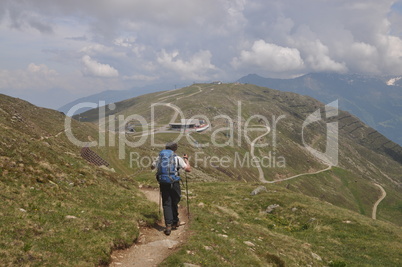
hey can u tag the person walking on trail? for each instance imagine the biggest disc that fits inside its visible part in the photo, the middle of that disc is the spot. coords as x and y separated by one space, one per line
168 165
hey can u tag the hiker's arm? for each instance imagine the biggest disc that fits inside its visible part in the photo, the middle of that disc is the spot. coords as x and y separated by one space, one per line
188 167
154 164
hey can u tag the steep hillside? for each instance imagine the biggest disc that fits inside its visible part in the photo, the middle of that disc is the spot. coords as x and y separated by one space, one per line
375 100
365 156
57 209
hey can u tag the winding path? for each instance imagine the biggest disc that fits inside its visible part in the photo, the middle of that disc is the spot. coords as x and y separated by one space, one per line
199 91
261 173
263 180
298 175
152 245
383 195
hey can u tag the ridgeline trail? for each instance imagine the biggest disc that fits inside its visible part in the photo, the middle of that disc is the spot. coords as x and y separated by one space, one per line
261 172
298 175
252 149
383 195
152 245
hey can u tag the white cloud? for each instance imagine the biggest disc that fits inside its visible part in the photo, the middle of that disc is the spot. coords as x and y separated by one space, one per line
96 49
36 77
197 68
142 41
124 42
94 68
317 57
269 57
360 55
390 49
140 77
41 69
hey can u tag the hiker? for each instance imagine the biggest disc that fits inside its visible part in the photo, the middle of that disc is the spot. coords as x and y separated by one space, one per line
168 165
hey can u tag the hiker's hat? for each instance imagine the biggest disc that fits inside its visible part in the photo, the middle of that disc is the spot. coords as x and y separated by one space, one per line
172 146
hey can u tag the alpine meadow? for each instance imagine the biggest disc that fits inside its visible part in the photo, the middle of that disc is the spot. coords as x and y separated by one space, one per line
261 193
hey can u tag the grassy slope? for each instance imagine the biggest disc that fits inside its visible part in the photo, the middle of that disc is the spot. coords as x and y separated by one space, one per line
361 150
301 226
337 232
283 236
44 180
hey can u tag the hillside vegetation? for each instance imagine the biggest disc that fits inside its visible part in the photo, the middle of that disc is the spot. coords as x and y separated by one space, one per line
305 229
60 210
57 209
233 228
365 156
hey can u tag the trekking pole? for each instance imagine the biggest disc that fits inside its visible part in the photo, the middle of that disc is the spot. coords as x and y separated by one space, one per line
188 205
160 193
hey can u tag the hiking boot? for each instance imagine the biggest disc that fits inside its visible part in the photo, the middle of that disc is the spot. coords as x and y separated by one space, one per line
175 225
168 229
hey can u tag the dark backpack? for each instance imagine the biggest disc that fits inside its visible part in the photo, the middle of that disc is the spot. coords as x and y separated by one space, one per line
167 167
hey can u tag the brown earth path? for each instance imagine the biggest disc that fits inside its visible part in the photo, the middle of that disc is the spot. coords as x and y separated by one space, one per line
152 246
383 195
261 172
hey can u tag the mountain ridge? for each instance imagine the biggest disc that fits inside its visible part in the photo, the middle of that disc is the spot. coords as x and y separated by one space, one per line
320 212
368 97
363 151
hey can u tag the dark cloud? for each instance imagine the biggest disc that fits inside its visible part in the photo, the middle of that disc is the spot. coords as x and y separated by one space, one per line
40 26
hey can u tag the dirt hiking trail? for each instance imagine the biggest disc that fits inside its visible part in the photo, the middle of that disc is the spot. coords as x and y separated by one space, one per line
383 195
153 246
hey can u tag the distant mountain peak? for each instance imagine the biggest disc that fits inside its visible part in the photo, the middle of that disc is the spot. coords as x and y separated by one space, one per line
377 100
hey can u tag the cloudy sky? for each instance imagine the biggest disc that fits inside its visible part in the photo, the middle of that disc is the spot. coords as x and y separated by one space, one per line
55 51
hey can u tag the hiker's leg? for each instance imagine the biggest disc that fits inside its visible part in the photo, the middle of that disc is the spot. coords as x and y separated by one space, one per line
175 196
167 203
